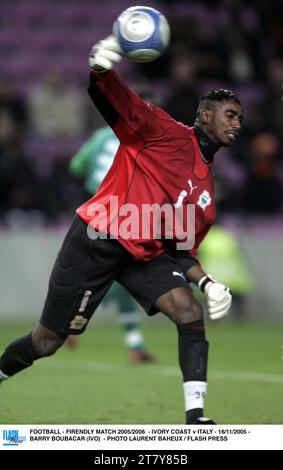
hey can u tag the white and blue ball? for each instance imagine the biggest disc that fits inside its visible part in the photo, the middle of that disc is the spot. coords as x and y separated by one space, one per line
143 33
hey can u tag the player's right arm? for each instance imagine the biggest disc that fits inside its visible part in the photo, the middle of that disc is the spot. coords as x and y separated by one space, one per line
132 119
218 296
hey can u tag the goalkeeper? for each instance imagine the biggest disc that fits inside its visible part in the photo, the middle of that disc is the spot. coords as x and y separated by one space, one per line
159 161
91 162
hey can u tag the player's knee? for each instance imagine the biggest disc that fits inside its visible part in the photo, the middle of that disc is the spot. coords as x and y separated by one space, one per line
184 308
194 312
46 346
46 342
188 312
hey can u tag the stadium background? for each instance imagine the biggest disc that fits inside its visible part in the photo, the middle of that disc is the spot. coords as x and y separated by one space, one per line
45 115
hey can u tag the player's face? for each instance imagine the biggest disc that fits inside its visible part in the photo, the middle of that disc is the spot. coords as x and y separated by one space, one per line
226 123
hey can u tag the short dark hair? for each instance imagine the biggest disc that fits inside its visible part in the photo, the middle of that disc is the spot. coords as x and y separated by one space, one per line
216 94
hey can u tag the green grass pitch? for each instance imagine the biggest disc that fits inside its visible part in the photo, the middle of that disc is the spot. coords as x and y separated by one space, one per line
95 385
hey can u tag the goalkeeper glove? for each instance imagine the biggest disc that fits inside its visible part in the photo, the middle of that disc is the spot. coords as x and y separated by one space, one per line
103 54
219 298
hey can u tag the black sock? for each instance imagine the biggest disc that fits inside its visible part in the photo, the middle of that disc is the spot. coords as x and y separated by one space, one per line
18 356
193 355
192 415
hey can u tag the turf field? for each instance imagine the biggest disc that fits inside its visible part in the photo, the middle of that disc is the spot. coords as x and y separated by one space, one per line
95 385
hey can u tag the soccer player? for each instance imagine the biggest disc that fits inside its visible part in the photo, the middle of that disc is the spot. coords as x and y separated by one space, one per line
91 162
159 161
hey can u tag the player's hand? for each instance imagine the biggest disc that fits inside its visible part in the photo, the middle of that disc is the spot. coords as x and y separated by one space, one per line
104 54
219 298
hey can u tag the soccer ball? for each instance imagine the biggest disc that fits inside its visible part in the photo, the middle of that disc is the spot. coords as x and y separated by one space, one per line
143 33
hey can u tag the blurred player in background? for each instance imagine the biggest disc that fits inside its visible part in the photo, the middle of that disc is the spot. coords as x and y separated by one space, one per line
92 162
159 161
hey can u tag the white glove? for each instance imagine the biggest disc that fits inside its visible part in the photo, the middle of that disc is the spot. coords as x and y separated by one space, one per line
219 298
103 54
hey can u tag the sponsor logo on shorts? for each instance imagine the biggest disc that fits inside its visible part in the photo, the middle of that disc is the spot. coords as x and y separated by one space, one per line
78 322
85 300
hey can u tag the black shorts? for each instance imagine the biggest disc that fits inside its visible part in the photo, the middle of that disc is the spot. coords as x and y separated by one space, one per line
86 268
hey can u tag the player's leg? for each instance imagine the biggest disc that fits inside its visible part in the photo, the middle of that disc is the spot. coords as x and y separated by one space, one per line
160 286
129 319
130 322
22 352
44 341
181 307
83 272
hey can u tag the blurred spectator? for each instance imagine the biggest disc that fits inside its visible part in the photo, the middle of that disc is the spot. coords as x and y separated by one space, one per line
19 186
271 16
56 109
66 191
183 102
13 109
241 41
263 192
272 106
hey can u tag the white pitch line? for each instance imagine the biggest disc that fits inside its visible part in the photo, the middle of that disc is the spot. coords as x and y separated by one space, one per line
239 376
247 376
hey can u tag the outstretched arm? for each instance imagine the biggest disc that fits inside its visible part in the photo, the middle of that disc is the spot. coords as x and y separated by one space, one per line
132 119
